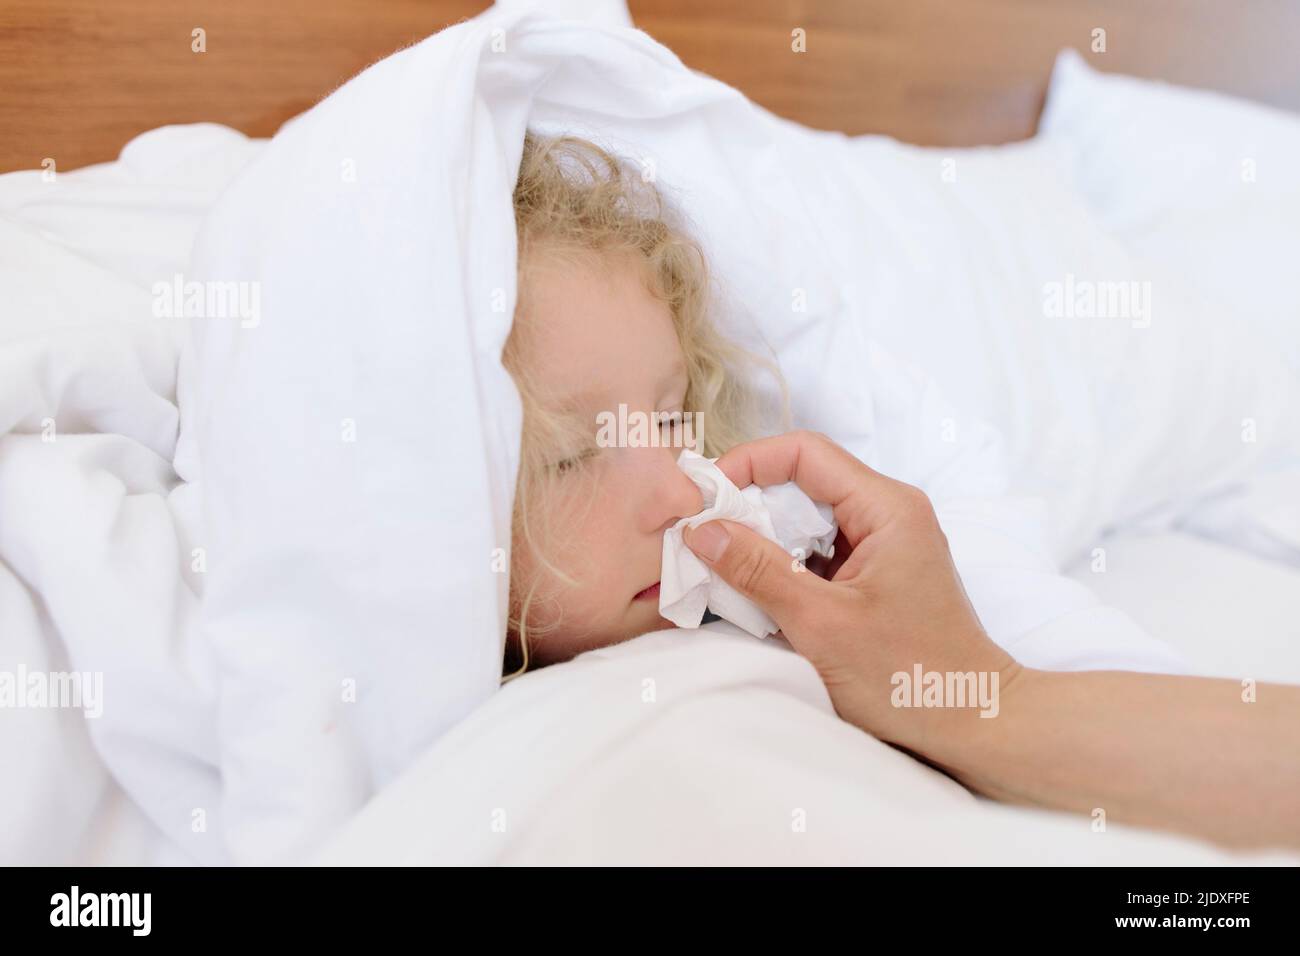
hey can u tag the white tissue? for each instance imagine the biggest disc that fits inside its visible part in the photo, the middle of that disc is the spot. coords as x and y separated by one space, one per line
780 513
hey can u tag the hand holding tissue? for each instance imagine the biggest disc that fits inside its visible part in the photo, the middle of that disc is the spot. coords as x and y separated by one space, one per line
780 513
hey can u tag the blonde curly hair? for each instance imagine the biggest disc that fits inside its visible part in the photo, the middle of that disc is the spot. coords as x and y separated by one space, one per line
576 199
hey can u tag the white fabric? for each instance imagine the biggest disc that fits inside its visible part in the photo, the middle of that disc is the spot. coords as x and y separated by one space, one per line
357 450
608 12
96 535
1204 186
727 751
780 513
946 258
1201 182
1230 613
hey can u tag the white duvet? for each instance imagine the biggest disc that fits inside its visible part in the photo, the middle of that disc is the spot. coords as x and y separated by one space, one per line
705 748
231 577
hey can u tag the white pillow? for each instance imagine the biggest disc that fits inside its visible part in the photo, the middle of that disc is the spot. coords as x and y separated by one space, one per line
1203 183
952 259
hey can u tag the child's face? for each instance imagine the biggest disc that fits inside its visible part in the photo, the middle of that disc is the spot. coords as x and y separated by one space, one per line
594 334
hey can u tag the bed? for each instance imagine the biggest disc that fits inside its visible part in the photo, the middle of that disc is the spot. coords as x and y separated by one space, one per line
563 788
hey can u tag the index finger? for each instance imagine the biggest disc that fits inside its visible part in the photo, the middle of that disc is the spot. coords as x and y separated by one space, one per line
861 497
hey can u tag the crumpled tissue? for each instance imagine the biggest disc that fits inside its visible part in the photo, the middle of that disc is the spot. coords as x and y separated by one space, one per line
780 513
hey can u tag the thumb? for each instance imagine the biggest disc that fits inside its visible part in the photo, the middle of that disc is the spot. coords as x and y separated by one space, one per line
759 569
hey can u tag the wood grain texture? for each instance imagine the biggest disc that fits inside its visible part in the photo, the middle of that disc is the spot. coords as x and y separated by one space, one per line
970 72
79 78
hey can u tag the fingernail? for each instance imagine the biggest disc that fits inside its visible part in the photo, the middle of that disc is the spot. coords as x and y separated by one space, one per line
709 541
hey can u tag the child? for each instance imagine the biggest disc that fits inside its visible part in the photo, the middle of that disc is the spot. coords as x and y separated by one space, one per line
613 310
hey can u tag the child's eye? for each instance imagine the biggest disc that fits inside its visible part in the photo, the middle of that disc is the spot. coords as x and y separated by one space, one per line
670 419
572 464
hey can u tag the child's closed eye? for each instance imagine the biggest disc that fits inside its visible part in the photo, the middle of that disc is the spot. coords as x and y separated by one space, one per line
574 462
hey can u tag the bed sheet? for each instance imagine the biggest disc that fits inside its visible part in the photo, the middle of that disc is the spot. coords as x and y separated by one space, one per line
1231 613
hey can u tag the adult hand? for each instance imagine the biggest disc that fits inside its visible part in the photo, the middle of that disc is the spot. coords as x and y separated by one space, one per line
895 602
1193 754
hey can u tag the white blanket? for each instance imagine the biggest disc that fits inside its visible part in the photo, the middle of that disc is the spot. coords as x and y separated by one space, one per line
96 532
706 748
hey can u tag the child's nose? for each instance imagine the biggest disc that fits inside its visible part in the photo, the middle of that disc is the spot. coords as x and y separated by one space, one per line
673 495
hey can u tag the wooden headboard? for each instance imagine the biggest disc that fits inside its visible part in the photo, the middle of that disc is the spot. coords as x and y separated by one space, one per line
79 78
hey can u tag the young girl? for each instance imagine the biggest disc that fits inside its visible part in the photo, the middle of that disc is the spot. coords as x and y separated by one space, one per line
613 310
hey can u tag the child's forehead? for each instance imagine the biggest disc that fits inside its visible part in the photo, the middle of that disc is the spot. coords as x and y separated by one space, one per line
550 268
594 331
